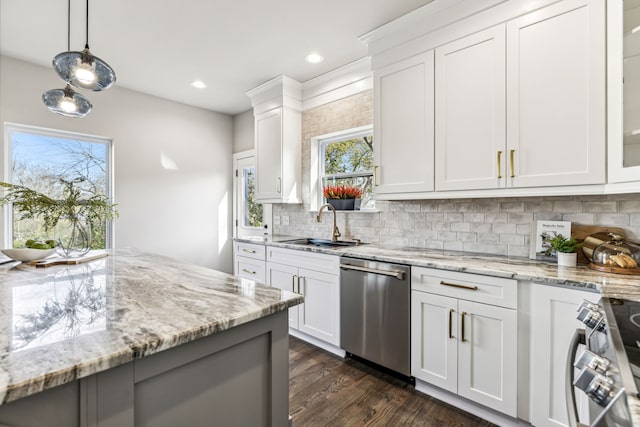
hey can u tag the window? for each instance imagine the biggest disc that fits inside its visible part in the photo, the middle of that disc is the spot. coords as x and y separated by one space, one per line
42 159
346 158
252 211
249 216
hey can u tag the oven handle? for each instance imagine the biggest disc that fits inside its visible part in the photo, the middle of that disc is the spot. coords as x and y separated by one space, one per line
570 392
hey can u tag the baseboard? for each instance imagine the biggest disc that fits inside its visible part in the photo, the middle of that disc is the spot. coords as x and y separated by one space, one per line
469 406
318 343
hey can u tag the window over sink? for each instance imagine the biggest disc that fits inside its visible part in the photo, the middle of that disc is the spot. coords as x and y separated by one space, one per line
343 158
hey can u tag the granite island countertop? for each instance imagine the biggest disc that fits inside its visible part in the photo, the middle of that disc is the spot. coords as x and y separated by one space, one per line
63 323
608 284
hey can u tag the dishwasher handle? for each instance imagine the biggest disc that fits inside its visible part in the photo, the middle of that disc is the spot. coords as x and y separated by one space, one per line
392 273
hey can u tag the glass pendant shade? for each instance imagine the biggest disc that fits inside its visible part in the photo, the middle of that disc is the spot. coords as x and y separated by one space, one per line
83 70
66 102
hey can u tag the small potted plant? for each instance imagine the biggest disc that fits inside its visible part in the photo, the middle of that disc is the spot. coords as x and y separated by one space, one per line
564 247
343 197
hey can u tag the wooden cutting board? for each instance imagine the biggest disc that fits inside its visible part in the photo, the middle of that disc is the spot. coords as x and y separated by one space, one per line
69 261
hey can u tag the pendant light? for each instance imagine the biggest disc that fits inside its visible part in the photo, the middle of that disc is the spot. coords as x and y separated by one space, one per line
66 101
82 69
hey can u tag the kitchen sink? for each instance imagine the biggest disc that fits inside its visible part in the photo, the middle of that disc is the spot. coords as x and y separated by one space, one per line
323 242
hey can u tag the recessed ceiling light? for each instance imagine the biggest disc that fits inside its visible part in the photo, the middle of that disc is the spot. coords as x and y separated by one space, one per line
198 84
314 58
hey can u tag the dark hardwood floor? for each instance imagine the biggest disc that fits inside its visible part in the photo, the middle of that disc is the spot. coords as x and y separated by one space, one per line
325 390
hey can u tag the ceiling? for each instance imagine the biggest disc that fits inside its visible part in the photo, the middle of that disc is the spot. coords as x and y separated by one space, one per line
160 47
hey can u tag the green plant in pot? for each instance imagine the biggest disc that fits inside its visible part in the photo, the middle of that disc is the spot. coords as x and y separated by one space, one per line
343 197
70 218
564 247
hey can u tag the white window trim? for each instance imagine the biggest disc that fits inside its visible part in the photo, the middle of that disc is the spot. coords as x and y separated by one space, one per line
7 227
315 184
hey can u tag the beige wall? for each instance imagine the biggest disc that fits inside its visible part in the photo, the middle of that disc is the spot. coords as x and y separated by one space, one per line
495 226
184 212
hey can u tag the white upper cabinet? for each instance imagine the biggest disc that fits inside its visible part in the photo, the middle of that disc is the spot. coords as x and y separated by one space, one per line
470 112
403 126
518 100
276 108
556 95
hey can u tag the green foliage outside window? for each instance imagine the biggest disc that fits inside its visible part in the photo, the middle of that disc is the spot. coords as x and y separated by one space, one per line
253 210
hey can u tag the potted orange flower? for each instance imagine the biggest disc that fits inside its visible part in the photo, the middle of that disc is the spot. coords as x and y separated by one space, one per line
343 197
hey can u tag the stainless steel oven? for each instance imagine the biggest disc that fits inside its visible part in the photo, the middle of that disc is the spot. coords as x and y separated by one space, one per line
605 372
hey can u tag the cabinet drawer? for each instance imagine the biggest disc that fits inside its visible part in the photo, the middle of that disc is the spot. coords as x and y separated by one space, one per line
250 250
250 268
473 287
309 260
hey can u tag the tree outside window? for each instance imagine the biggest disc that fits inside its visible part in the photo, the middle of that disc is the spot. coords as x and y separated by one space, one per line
43 160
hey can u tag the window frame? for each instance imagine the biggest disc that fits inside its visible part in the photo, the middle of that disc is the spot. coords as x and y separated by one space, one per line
317 160
10 128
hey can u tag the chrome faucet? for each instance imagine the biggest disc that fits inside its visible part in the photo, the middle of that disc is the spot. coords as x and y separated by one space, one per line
336 233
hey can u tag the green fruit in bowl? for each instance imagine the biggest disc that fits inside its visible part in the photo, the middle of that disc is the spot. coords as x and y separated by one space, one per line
39 245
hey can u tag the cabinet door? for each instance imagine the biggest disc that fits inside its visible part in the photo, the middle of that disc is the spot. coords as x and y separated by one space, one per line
268 133
403 126
285 277
488 356
470 112
553 322
556 95
319 316
434 339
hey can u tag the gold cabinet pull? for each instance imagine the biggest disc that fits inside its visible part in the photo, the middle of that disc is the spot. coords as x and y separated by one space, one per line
375 176
499 164
451 310
249 271
462 338
293 283
457 285
512 163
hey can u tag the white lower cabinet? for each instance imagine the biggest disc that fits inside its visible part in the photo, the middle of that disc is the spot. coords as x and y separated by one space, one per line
317 278
553 322
464 346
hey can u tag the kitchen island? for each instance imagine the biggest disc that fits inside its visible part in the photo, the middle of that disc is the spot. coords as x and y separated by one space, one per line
140 339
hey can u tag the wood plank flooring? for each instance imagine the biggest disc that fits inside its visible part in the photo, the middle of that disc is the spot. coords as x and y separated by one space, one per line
325 390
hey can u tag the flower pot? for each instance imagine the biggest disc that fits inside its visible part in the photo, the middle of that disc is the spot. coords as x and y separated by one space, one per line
344 204
567 259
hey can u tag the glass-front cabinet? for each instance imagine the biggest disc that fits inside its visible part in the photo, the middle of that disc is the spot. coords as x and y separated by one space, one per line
624 90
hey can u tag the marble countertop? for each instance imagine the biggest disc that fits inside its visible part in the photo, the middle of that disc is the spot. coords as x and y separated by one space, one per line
608 284
62 323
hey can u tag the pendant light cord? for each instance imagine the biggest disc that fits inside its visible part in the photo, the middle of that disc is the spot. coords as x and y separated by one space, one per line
68 25
86 45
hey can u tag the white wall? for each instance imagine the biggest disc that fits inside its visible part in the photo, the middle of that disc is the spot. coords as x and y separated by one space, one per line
243 126
183 212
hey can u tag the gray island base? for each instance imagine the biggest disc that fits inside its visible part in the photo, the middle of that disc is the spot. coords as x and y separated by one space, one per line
140 340
235 378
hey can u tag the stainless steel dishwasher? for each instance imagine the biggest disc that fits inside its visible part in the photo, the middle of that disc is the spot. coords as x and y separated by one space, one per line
375 312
